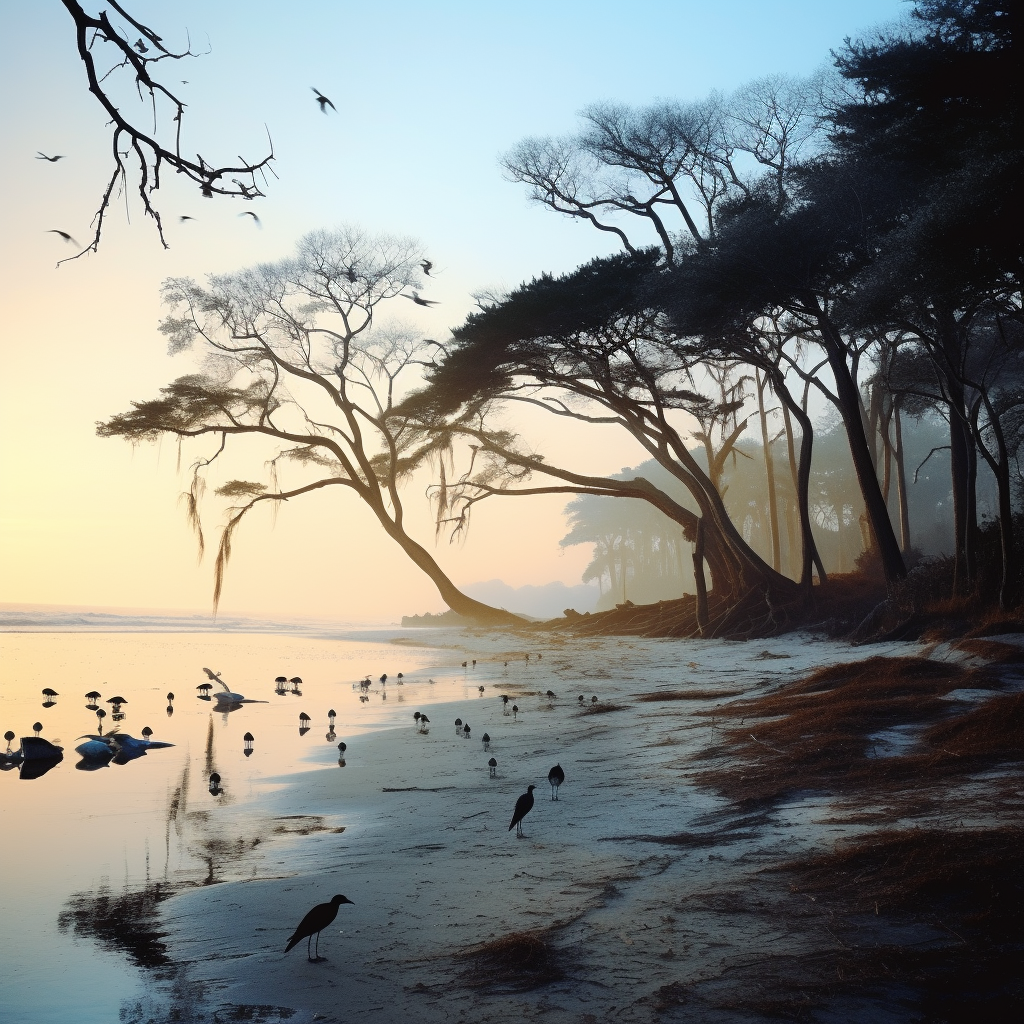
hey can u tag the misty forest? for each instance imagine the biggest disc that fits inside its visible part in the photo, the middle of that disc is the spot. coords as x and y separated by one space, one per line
787 731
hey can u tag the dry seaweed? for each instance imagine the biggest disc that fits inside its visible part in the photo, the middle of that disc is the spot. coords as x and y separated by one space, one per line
518 962
666 695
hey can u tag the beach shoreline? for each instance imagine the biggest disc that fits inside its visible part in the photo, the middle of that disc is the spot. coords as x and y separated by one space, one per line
639 886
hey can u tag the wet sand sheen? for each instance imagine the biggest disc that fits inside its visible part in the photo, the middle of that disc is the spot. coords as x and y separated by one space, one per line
77 831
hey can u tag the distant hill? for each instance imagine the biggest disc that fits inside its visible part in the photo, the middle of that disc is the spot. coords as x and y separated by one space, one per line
544 602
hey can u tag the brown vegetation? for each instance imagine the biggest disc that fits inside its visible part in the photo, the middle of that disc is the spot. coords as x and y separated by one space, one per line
518 962
816 732
667 695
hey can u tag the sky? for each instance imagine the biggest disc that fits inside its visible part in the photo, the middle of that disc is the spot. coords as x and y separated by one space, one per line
428 97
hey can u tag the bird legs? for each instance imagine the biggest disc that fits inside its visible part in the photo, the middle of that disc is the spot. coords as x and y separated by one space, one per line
519 830
316 958
554 791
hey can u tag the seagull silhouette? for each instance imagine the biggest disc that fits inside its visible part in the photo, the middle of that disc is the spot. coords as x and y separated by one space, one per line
427 267
314 923
52 159
63 234
323 101
249 213
415 297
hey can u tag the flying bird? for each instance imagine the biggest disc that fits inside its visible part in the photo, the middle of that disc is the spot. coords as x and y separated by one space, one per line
556 777
63 234
419 300
314 923
523 807
51 159
255 219
184 217
323 101
427 267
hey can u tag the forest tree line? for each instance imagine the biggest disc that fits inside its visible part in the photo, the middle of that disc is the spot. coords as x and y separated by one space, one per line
853 236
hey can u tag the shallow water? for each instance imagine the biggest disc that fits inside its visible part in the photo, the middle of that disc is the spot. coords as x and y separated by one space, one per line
74 831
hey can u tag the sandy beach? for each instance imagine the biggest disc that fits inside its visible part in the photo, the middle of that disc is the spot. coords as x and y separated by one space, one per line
643 892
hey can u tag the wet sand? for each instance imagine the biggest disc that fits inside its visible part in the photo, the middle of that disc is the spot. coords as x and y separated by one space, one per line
639 884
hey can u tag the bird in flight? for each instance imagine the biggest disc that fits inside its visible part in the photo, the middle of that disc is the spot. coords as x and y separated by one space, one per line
419 300
63 234
184 217
323 101
52 159
249 213
314 923
427 267
141 46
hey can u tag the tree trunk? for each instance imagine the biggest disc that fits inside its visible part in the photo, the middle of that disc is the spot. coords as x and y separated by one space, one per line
792 521
699 583
809 550
850 407
459 602
901 481
769 469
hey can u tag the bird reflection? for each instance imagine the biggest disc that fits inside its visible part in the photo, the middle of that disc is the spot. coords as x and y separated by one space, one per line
170 710
341 762
331 736
116 748
37 756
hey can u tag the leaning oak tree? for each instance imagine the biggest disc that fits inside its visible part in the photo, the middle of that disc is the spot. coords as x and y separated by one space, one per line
293 356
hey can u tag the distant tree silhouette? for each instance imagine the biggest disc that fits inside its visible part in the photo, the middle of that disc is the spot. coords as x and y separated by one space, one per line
293 358
130 142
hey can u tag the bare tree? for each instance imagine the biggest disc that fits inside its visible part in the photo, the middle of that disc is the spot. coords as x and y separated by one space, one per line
293 356
113 62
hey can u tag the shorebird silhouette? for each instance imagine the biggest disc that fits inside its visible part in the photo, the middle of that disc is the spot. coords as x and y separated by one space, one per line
323 101
556 777
523 807
314 923
51 159
493 765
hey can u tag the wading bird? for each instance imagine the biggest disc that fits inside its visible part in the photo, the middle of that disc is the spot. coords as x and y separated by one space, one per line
556 777
493 765
523 807
314 923
487 742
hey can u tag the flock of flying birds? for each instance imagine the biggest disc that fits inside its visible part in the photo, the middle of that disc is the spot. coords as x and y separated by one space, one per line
425 265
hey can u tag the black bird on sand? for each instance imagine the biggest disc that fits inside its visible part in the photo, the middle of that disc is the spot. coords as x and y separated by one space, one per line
493 765
556 777
324 104
523 807
51 159
314 923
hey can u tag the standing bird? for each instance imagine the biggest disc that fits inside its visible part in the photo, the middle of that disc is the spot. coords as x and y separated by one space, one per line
487 742
170 698
556 777
314 923
458 726
416 717
493 765
384 679
523 807
324 104
51 159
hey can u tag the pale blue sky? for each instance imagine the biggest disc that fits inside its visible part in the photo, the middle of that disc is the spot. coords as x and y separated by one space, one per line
428 96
